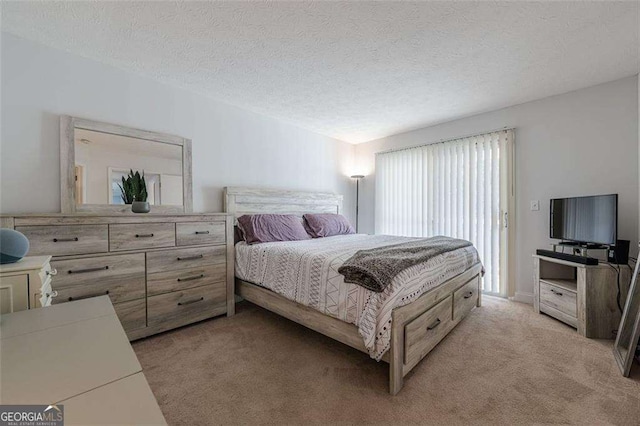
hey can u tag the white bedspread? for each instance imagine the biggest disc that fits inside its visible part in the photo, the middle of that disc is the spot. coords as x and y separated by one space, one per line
307 272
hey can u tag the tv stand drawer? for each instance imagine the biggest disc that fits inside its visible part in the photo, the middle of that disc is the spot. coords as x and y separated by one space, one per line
561 316
558 298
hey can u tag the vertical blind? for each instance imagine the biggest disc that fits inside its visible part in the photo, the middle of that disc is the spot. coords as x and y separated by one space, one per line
451 188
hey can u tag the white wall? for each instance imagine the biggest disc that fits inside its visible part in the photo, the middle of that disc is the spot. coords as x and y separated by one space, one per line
579 143
230 146
583 142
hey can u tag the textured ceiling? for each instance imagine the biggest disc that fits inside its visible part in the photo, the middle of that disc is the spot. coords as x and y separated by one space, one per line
355 71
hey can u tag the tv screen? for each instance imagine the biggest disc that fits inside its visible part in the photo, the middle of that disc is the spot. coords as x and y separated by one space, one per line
585 219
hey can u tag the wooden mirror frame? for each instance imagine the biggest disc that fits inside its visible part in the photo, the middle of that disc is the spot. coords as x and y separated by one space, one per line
68 204
629 323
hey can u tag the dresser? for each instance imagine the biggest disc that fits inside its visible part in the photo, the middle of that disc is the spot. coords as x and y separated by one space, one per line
26 284
77 357
582 296
160 271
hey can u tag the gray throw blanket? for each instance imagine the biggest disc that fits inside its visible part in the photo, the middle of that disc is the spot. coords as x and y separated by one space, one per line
374 268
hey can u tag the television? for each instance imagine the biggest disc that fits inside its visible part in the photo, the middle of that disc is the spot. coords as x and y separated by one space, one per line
585 220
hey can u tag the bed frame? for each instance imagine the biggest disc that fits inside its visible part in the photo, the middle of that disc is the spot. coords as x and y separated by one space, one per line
416 328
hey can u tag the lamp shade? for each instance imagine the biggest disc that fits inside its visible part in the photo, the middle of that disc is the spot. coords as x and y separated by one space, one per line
13 246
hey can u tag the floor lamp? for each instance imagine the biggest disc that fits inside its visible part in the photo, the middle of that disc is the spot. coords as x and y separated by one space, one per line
357 178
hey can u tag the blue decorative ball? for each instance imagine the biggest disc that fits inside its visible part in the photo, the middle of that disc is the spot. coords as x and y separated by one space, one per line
13 245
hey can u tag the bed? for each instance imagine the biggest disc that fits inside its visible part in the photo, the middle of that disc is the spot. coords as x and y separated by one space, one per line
299 280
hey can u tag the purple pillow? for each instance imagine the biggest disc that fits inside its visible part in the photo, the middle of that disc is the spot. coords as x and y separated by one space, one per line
327 224
237 235
265 228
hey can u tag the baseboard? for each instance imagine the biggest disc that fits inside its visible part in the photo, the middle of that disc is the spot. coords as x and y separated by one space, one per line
523 298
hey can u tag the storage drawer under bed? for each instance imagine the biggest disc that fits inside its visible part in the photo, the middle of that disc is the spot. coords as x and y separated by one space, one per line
425 332
465 299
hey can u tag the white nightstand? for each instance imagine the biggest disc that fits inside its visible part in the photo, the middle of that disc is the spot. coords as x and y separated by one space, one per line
26 284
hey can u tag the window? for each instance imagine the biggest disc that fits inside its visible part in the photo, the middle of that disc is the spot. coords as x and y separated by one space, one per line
460 188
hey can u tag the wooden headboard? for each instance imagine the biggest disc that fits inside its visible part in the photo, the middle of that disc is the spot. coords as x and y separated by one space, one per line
244 200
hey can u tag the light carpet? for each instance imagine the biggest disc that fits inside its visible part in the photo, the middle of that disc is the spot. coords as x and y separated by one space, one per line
503 364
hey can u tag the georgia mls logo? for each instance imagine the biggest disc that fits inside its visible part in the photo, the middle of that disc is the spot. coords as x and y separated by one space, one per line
53 407
31 415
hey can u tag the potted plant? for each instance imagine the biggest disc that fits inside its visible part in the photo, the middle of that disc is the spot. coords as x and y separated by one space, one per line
134 192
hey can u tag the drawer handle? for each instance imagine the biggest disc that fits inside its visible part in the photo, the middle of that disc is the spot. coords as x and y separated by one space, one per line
556 292
195 277
52 294
65 240
52 272
82 271
188 302
468 295
202 232
88 296
434 325
200 256
144 235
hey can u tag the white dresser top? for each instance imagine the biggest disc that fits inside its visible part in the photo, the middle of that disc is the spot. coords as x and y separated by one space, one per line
51 354
33 320
28 263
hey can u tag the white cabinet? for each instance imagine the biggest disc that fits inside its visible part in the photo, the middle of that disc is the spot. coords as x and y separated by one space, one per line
25 284
14 293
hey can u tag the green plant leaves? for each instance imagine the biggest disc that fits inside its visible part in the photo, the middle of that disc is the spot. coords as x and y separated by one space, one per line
133 188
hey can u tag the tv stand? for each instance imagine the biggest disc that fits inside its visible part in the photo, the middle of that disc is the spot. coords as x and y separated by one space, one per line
582 296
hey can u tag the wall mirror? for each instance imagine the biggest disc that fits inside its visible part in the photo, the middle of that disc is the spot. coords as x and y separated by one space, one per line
94 156
628 335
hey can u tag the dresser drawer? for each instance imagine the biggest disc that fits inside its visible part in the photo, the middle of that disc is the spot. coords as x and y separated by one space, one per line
122 277
132 314
66 239
423 333
465 299
197 233
141 236
164 282
186 306
171 260
559 298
